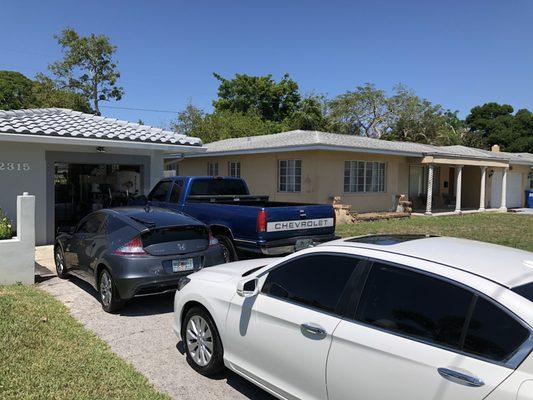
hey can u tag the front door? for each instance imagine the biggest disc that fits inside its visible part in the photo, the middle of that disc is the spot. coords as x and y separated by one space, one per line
409 339
281 338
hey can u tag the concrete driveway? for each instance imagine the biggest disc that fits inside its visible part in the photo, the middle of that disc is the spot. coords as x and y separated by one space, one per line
142 335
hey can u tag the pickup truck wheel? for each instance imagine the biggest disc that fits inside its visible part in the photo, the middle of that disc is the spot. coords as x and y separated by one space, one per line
228 250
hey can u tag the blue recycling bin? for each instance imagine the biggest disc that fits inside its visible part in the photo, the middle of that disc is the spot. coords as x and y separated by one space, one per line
529 198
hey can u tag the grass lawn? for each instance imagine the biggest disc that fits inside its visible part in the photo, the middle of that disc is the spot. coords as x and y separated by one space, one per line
46 354
506 229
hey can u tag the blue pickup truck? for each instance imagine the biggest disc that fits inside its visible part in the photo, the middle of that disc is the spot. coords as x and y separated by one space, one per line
243 222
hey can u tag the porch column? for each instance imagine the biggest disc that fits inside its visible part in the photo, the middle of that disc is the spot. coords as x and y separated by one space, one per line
430 189
459 181
482 189
503 204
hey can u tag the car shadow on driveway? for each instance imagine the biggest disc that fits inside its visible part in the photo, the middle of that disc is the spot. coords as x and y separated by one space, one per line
136 307
234 380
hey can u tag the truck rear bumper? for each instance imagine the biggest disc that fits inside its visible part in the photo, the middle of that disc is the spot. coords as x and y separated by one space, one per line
282 246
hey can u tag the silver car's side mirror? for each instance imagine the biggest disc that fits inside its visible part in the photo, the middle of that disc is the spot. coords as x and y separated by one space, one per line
248 287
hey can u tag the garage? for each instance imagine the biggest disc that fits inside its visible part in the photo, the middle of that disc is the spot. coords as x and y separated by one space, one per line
75 163
514 191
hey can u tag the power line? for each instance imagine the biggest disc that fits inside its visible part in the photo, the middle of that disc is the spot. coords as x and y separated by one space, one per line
140 109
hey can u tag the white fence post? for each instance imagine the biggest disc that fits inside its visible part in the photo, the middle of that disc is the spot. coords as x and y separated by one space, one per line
17 255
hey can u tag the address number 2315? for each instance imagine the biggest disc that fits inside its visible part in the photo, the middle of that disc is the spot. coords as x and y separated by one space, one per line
14 166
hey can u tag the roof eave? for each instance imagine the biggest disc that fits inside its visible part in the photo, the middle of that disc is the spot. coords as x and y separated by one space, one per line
309 147
79 141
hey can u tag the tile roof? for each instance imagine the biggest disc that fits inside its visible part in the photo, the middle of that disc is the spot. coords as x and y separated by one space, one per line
62 122
303 139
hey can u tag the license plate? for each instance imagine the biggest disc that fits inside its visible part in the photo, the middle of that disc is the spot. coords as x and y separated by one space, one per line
184 264
303 244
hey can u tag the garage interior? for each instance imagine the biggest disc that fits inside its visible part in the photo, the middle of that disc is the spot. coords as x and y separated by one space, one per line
80 189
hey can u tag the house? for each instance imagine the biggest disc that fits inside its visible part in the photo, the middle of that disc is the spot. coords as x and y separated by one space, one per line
368 174
75 163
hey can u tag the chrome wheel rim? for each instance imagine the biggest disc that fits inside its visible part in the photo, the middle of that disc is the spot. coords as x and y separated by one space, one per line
199 340
105 289
59 262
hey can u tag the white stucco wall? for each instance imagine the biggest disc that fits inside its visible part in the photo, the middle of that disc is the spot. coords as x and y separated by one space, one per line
17 255
23 168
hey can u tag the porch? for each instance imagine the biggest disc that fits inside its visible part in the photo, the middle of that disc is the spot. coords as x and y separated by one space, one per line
445 186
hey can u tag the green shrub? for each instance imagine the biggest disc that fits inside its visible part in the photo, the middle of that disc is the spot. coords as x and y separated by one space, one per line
6 231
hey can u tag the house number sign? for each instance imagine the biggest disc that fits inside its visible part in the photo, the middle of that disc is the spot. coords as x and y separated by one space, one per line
14 166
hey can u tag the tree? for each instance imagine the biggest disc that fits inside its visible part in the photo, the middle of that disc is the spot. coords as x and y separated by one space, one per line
364 111
19 92
495 123
413 119
311 114
228 124
188 120
47 94
271 100
15 91
88 67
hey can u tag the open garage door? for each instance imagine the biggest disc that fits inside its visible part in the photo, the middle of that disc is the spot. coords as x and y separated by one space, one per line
514 189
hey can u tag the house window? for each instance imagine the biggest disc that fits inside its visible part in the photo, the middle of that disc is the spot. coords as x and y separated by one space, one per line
234 169
173 166
212 169
290 175
364 176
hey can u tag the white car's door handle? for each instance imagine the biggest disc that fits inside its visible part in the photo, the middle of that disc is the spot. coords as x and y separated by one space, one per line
460 378
313 329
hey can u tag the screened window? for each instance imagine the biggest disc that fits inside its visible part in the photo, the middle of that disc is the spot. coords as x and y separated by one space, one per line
414 304
212 169
290 175
234 169
364 176
316 281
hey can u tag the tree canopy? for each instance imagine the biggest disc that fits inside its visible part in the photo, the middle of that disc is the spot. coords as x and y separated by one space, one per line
496 124
88 67
271 100
19 92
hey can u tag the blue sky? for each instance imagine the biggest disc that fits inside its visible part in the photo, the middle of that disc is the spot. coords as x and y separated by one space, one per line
456 53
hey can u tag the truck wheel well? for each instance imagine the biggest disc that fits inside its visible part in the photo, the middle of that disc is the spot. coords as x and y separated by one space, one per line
221 230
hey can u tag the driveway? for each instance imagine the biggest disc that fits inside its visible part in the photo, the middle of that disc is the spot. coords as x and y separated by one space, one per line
142 335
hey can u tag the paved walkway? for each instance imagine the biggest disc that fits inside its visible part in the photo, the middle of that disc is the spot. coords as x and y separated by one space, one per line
142 335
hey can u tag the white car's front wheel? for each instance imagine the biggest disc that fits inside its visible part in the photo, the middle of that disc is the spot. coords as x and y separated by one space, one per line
202 342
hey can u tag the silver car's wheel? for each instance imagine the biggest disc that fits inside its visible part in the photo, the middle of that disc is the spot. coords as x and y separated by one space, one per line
199 340
106 289
60 263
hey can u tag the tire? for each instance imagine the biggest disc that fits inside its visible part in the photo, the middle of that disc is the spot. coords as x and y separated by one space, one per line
108 293
228 249
206 358
59 259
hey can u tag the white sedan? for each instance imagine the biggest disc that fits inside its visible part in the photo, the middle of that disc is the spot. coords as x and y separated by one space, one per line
371 318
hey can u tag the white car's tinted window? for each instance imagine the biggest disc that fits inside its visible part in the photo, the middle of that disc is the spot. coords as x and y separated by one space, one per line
414 304
493 333
315 280
525 291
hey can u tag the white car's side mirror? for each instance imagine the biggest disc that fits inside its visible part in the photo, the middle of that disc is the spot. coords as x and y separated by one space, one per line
248 287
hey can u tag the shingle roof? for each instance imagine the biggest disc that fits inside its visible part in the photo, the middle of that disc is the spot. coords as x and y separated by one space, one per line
312 139
62 122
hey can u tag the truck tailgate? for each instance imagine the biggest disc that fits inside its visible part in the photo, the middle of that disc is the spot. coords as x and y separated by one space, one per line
298 220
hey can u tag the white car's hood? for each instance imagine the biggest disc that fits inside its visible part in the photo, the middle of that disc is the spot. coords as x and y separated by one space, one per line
225 272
